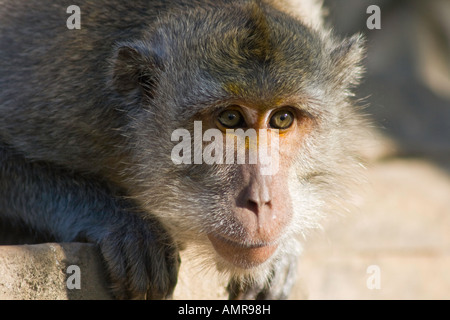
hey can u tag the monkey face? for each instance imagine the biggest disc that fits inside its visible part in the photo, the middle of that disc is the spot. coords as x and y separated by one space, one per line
261 207
233 171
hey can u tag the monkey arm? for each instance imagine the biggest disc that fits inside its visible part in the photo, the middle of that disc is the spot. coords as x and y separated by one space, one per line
71 207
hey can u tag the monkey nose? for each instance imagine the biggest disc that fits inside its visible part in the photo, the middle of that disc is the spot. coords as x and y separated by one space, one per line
259 195
257 200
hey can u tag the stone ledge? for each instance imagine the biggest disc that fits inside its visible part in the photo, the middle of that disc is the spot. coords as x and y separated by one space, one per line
39 272
31 272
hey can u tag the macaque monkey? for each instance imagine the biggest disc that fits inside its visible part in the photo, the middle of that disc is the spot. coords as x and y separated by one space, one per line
87 122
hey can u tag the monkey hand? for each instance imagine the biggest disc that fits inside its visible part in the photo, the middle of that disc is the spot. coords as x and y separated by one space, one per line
278 286
141 260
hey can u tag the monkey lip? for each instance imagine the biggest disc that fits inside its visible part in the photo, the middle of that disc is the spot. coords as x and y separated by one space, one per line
242 255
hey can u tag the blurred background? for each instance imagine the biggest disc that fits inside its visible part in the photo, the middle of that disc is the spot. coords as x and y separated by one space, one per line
397 244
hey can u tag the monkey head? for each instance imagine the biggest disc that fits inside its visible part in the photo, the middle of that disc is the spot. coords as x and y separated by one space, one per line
246 67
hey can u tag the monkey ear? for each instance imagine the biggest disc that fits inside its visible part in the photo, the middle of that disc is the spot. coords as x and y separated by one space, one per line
135 69
346 58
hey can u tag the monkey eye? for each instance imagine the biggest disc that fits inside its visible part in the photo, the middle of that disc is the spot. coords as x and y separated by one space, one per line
282 119
231 118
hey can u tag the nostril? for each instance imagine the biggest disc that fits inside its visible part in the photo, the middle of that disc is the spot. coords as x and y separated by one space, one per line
253 206
256 205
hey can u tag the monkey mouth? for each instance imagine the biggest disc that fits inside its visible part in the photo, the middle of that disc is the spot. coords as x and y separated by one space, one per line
240 254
